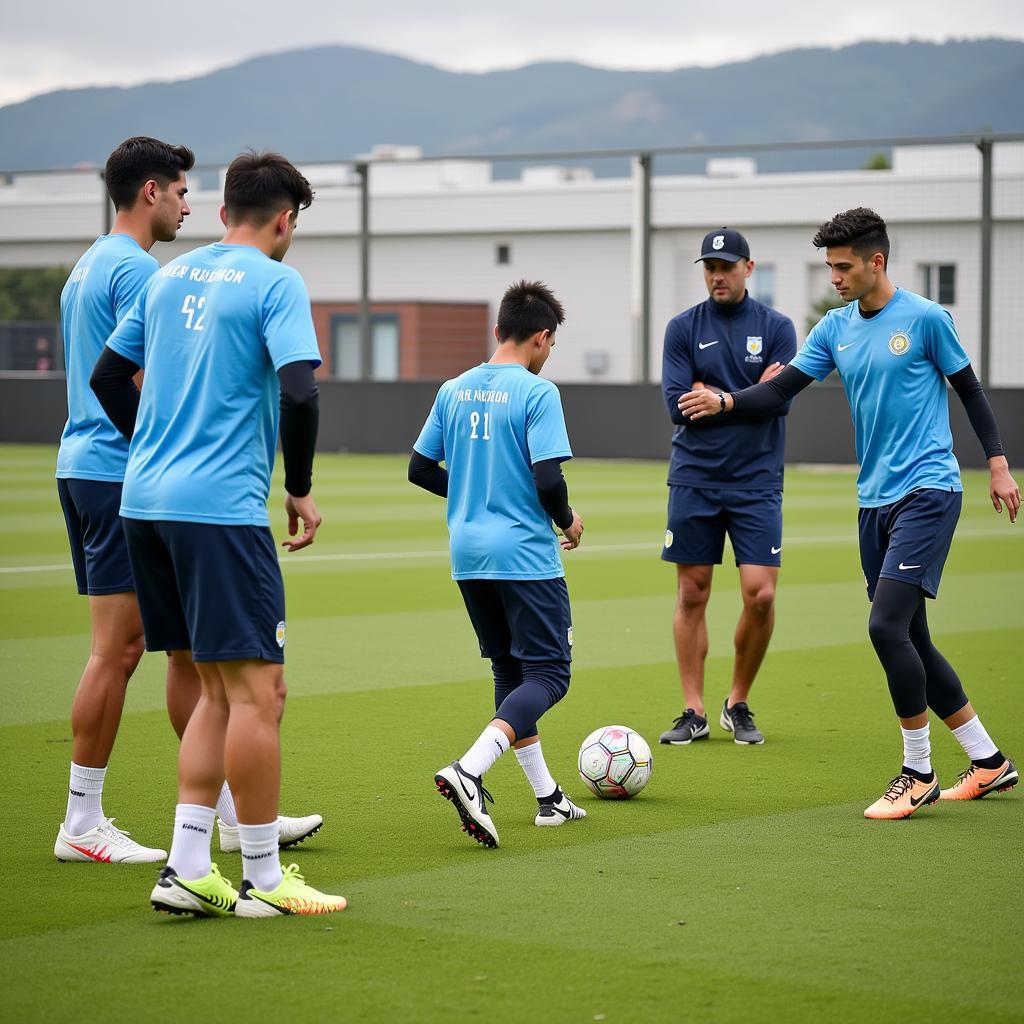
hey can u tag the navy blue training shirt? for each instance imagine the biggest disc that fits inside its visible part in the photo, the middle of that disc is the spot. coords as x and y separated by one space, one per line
726 348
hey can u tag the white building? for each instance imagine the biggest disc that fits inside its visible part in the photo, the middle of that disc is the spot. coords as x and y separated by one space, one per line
449 232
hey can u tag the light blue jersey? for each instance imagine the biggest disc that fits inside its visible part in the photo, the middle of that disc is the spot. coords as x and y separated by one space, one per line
211 329
490 425
893 367
102 288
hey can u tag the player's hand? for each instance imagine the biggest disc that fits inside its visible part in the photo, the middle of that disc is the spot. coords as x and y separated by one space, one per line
771 371
573 533
1003 488
304 509
696 404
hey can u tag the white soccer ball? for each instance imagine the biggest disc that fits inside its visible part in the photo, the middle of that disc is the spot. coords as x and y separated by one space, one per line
615 762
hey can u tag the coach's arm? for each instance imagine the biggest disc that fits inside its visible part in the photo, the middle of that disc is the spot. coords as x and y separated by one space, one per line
760 400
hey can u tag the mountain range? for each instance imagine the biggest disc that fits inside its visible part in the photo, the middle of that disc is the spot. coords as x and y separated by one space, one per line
333 102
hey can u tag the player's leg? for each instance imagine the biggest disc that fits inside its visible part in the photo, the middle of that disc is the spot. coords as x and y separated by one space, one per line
103 571
694 542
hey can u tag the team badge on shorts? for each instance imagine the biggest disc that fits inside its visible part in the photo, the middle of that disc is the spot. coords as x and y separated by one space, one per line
668 538
279 634
899 343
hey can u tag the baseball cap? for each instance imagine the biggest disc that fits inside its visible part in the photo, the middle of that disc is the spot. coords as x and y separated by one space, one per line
724 244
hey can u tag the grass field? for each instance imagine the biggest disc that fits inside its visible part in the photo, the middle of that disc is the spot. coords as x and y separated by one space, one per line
743 882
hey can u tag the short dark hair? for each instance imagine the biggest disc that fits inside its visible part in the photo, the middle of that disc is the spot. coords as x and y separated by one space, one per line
259 185
139 159
526 308
861 229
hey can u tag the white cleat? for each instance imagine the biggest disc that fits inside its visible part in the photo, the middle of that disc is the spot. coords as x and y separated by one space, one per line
558 812
291 831
468 796
104 844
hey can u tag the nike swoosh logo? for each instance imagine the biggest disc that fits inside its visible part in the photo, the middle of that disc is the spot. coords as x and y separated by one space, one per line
998 781
706 344
924 796
775 551
213 901
470 793
902 566
843 348
558 810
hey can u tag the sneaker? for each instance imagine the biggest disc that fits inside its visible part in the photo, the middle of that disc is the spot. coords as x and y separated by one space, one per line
558 810
291 831
905 795
739 720
292 896
977 782
105 844
209 896
688 727
468 795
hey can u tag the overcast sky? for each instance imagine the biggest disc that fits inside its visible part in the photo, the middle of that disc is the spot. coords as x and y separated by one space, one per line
66 43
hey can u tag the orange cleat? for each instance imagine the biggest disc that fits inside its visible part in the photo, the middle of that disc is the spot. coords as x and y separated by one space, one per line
977 782
903 797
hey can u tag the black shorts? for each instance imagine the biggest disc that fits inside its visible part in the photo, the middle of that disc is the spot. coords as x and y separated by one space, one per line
213 590
909 539
699 519
99 551
529 619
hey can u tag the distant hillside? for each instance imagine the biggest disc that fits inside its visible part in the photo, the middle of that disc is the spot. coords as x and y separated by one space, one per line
335 101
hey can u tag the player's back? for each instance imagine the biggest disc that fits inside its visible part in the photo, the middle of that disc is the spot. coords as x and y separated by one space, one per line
98 293
217 323
497 420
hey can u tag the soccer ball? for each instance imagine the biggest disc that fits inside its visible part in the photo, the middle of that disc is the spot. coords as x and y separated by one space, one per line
615 762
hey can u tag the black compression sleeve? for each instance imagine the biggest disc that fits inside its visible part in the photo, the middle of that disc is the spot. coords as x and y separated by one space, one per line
762 399
552 491
300 419
112 383
428 474
966 384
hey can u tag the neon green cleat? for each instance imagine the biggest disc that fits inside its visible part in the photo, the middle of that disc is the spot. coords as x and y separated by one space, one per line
292 896
209 896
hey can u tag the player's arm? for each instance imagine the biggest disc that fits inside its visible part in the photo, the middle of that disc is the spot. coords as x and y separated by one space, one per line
112 381
676 370
553 495
428 474
1002 486
300 422
764 399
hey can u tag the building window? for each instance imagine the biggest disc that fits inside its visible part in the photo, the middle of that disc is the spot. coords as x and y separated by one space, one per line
762 283
938 283
503 254
347 349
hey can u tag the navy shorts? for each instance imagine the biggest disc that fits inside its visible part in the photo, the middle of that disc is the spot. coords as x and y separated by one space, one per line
699 519
213 590
529 619
99 552
909 540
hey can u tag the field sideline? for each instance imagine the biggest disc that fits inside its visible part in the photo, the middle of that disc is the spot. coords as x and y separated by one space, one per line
743 882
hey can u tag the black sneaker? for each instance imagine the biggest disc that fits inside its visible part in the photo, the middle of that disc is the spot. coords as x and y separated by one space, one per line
739 720
689 727
467 794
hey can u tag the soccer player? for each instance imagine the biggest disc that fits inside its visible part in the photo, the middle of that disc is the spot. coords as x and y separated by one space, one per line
145 179
893 351
225 334
499 428
724 477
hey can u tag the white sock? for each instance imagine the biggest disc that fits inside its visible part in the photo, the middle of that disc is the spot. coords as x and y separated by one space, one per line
531 760
975 741
190 844
85 799
487 749
917 749
261 861
226 806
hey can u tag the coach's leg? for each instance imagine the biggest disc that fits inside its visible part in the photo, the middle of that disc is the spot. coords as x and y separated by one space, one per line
690 631
754 630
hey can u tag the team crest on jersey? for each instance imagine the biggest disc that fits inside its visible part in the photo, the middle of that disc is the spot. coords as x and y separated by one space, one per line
899 343
568 636
754 345
718 242
279 634
668 538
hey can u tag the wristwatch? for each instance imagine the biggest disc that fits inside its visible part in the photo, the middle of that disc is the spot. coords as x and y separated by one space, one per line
721 399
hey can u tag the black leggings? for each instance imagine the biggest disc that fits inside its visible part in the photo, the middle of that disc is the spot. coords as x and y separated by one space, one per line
524 690
919 676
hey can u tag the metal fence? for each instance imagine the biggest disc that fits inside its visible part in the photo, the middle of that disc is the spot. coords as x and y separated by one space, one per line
614 232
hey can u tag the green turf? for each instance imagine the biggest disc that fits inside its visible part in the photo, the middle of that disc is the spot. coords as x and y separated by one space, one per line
742 884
